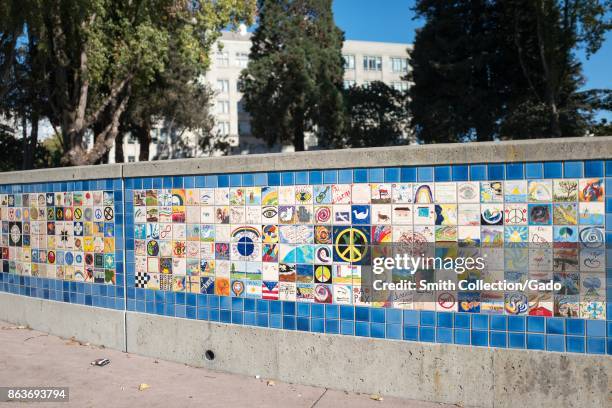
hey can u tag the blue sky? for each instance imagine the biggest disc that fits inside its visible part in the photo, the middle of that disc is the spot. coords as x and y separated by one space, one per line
392 21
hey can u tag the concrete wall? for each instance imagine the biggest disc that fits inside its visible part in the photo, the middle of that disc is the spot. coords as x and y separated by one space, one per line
99 326
577 148
480 377
484 377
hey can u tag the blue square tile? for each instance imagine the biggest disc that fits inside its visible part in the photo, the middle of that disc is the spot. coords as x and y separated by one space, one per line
362 314
330 176
478 172
516 323
411 333
347 312
609 168
462 320
442 173
332 326
555 343
575 327
275 307
555 326
377 330
498 339
596 345
223 180
301 177
499 322
360 175
553 170
287 178
303 309
362 329
461 173
514 171
427 334
575 344
376 175
496 172
596 328
534 170
377 315
345 176
425 174
593 168
428 318
411 317
573 169
317 325
535 324
392 175
275 321
347 327
317 311
289 322
445 320
480 338
394 316
248 180
332 312
408 174
274 179
444 335
316 177
394 331
462 336
480 322
535 341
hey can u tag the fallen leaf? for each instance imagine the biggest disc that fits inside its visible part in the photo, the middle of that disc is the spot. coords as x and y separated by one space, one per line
270 383
257 377
143 386
376 397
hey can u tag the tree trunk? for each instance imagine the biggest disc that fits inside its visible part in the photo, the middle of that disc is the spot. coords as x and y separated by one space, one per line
29 150
298 133
119 156
143 134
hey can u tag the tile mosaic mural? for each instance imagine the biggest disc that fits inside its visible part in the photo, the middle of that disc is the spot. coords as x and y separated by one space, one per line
292 250
62 235
311 243
64 241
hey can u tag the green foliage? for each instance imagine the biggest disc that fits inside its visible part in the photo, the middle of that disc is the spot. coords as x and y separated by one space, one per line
96 53
503 69
294 78
11 152
376 115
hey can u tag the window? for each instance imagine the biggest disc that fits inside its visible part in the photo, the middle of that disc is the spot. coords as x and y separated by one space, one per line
399 64
348 83
224 128
400 86
131 159
242 59
222 85
240 106
222 107
349 61
223 59
372 63
244 128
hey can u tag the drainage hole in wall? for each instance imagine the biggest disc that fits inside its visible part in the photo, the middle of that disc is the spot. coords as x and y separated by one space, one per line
210 355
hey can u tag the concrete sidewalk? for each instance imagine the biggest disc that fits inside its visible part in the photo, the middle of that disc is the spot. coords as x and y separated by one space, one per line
31 358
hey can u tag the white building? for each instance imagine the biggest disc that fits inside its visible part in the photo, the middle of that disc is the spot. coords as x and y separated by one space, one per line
365 61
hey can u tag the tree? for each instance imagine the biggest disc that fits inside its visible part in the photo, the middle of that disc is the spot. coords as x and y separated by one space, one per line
293 82
486 70
375 116
179 101
457 91
545 34
95 53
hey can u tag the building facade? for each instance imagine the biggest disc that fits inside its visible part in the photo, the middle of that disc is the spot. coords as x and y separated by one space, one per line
365 62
